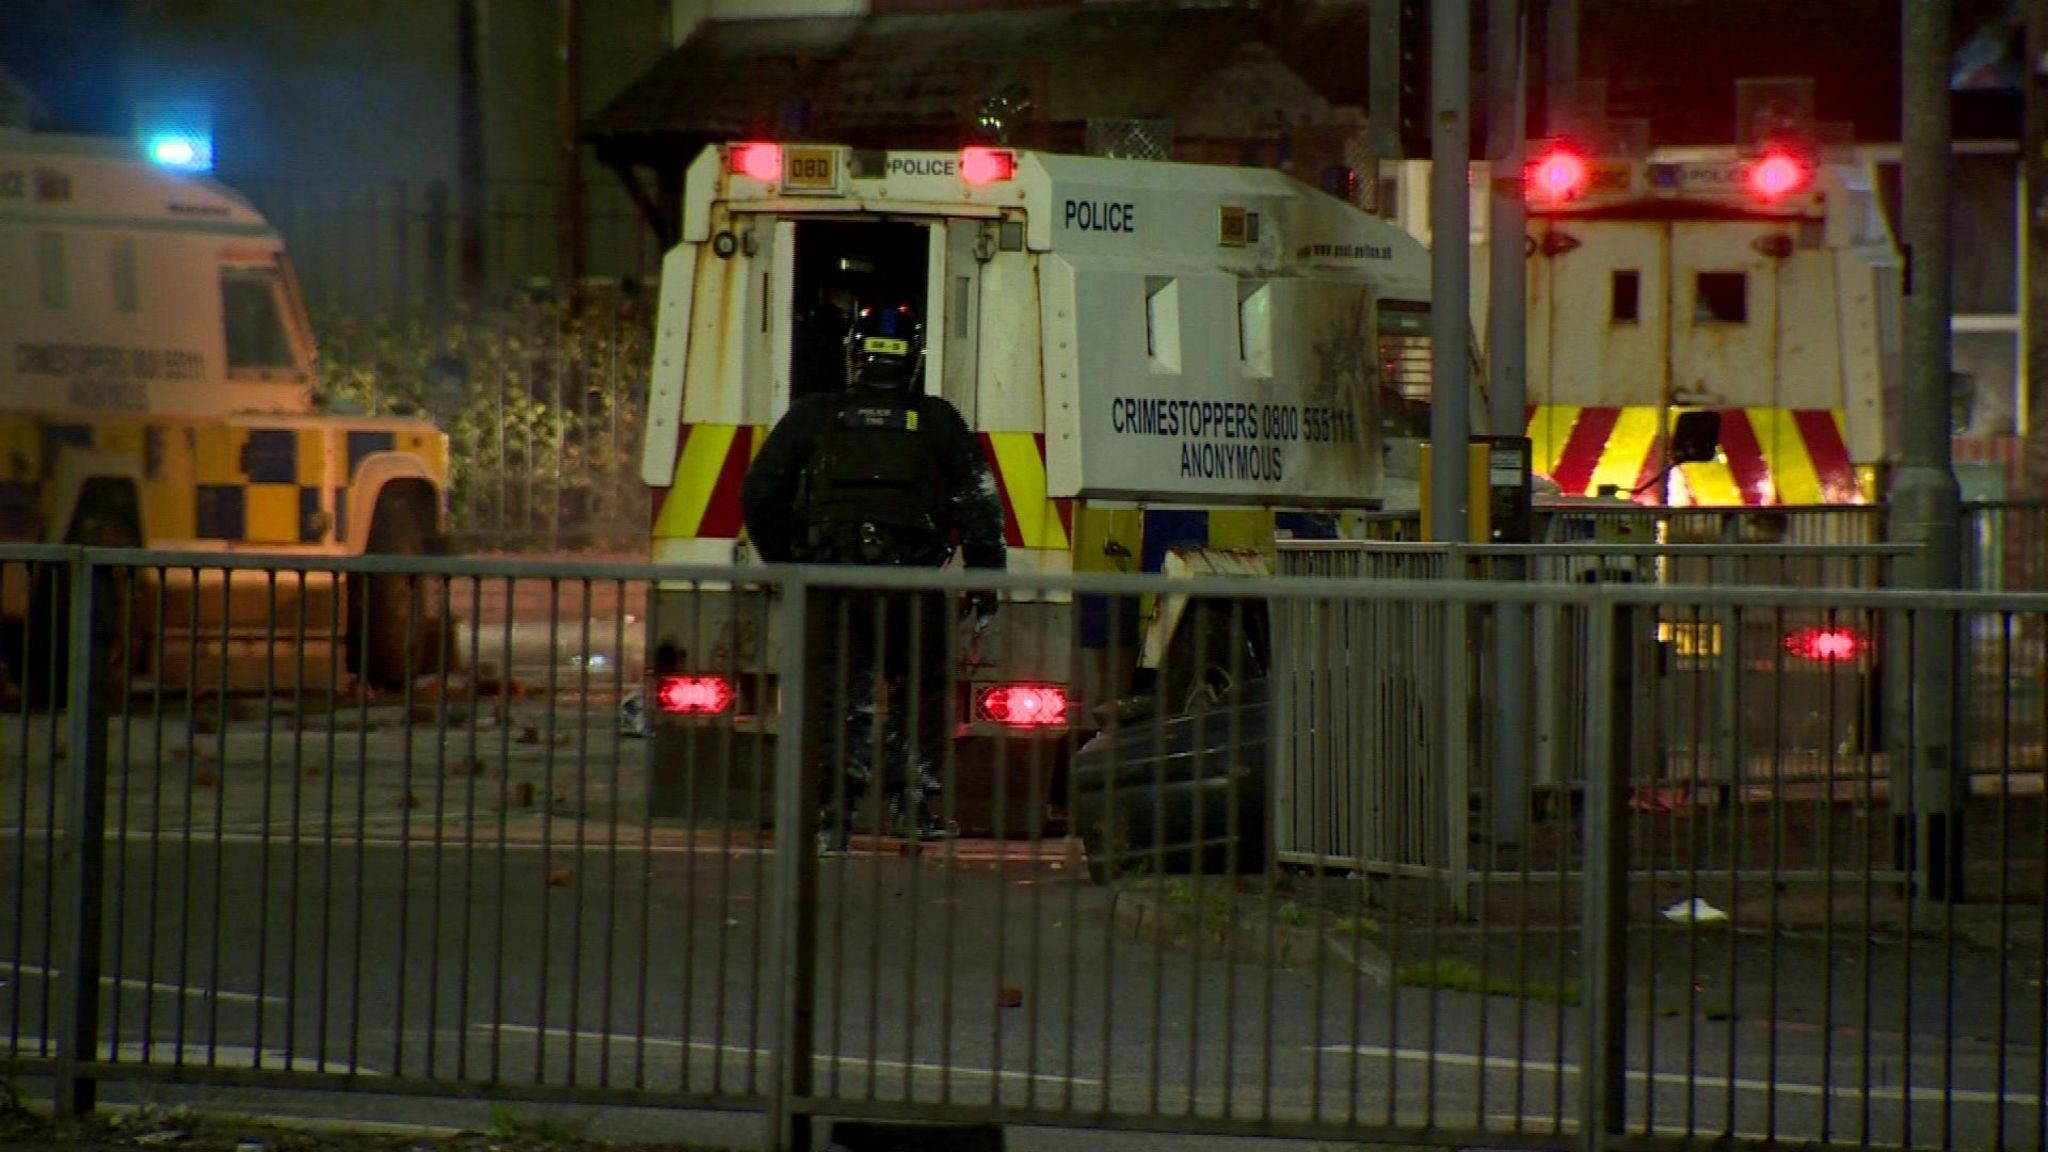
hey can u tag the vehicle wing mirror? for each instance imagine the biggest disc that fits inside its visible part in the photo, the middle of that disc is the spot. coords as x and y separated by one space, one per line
1696 438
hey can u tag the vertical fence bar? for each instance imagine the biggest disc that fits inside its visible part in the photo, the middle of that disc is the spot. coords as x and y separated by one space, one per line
215 944
1457 745
794 941
1603 1109
84 855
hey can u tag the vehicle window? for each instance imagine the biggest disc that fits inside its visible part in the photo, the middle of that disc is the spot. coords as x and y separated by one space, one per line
126 298
255 328
50 269
1721 298
1626 307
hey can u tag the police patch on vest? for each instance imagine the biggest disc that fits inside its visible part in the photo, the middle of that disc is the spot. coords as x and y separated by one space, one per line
860 416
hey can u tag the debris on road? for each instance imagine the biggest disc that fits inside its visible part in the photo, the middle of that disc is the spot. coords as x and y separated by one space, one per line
1694 911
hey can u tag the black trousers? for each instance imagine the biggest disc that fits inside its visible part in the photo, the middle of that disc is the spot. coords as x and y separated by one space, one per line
860 641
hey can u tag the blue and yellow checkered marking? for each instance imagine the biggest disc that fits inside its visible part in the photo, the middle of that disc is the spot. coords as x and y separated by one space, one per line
361 444
263 485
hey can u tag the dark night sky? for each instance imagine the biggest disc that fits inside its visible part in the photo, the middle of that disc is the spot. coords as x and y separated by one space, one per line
1654 52
68 53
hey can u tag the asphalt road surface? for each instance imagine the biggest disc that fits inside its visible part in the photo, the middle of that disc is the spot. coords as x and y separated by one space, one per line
388 909
451 975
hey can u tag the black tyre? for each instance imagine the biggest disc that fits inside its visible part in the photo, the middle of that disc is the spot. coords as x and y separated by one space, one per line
397 626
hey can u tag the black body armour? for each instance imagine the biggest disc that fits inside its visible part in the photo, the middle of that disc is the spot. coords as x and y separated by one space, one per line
873 492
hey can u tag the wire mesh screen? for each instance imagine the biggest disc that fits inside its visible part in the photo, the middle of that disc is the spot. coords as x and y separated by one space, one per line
1131 139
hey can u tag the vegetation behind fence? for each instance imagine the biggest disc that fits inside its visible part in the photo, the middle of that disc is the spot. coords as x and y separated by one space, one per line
542 400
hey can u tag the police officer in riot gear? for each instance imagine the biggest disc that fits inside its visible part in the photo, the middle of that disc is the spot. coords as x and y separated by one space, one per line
878 474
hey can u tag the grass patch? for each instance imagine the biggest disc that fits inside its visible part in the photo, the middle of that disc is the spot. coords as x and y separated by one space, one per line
509 1126
1459 976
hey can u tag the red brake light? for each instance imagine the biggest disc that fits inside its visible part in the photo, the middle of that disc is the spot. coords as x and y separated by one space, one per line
1558 175
987 165
1777 176
762 162
1835 645
1022 705
701 695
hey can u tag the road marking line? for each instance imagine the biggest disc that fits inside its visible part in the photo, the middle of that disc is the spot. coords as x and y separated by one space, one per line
1925 1094
753 1053
230 997
421 841
196 1055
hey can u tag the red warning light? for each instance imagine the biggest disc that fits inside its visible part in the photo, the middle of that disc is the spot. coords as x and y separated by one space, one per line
761 162
1835 645
987 165
1558 175
700 695
1023 705
1777 176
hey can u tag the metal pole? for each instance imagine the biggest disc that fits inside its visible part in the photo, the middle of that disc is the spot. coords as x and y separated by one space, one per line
84 857
2034 252
1507 319
574 238
794 942
1507 353
1450 422
469 123
1924 494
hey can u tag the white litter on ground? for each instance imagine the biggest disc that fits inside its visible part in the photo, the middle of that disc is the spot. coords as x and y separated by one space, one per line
1694 911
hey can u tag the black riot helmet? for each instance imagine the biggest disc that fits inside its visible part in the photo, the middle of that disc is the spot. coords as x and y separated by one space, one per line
848 283
885 348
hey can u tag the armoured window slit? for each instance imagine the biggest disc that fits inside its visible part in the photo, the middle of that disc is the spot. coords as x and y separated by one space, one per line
1626 296
1721 298
1255 327
122 268
1162 323
50 270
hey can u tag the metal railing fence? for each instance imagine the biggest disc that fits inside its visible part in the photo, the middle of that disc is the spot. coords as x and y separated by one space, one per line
1368 727
462 887
2003 545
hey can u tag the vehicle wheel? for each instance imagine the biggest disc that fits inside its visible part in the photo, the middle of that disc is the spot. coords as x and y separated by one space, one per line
47 643
407 633
1212 652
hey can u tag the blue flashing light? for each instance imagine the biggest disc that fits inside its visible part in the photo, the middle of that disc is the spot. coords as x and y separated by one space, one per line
184 151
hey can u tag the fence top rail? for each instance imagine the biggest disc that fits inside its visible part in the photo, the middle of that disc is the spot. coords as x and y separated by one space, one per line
38 553
1591 548
1279 588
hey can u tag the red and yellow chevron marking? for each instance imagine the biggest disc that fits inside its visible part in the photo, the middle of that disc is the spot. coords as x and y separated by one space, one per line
703 501
1031 519
1768 455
